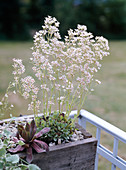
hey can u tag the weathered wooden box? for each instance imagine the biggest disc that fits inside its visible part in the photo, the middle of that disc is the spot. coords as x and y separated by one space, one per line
79 155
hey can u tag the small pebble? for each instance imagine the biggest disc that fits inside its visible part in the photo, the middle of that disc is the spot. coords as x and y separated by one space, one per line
74 139
67 141
74 135
51 144
59 141
81 137
78 132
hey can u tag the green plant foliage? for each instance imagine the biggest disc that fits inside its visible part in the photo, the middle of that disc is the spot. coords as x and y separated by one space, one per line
60 127
12 20
99 16
2 152
13 159
33 167
8 161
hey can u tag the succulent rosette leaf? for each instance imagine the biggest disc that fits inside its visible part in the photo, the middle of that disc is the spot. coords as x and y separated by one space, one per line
28 132
29 136
18 148
43 131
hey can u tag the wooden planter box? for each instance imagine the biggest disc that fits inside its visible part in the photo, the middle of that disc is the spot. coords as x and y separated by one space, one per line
79 155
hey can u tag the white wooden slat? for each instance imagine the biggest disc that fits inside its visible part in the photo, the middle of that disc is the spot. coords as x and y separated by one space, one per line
114 131
115 152
98 122
98 137
117 133
109 156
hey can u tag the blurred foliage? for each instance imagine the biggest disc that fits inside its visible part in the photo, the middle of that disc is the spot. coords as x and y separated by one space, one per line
106 17
37 10
12 20
19 19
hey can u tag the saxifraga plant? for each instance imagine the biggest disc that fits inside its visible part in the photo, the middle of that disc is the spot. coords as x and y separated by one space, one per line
28 136
65 69
60 127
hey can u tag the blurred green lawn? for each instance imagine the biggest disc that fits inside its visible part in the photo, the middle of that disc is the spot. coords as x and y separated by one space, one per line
107 101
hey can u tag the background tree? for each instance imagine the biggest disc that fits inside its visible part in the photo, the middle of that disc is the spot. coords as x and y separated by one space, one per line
37 10
12 20
21 18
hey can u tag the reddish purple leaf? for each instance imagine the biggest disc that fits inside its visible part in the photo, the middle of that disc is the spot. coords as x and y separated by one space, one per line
26 145
17 149
20 129
33 125
27 127
33 129
22 132
17 135
45 130
29 156
15 139
37 148
43 144
24 135
22 139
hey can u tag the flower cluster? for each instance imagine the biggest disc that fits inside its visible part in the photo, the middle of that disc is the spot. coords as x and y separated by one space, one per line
29 87
19 69
65 69
29 90
25 86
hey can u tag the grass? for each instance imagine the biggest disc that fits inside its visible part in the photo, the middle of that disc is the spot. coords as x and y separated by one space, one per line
107 101
8 51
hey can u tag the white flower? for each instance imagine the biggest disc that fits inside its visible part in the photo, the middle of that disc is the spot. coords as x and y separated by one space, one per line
51 77
26 95
34 97
1 103
14 92
13 84
43 86
6 95
12 105
50 103
63 77
55 63
19 68
57 86
82 27
31 106
97 81
16 79
35 90
62 98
